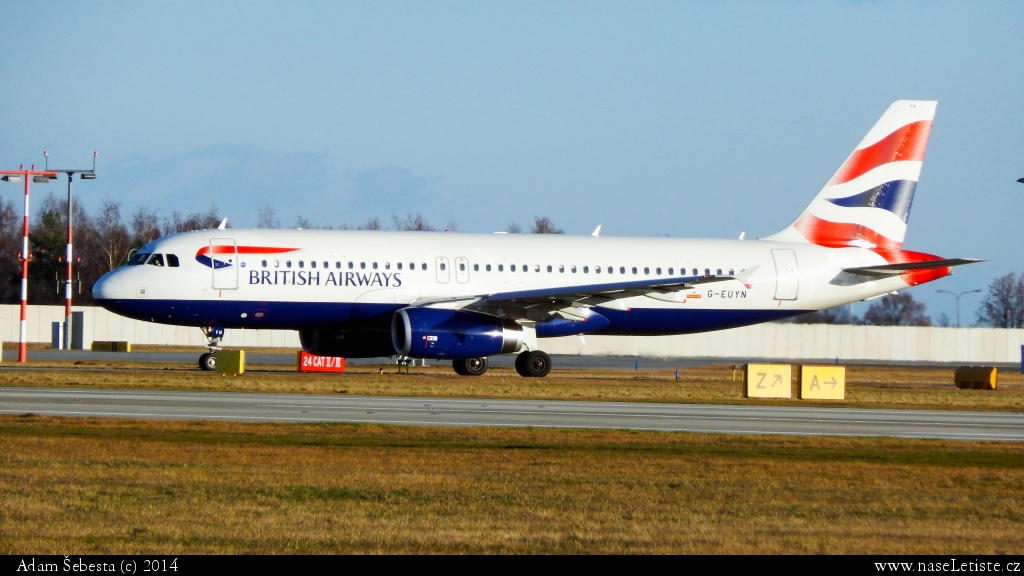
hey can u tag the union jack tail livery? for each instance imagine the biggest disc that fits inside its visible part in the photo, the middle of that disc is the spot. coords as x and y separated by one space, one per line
866 203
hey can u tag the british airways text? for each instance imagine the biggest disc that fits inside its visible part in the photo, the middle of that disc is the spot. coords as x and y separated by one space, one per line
317 278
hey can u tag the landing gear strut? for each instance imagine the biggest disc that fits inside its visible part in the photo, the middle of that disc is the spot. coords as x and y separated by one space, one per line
214 334
533 364
470 366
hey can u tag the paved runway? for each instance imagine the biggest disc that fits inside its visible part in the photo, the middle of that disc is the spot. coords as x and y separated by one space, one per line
256 407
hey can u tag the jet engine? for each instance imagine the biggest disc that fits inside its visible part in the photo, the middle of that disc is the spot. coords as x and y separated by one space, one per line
436 333
347 343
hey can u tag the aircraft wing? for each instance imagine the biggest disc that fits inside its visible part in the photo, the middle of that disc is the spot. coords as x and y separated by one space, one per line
558 297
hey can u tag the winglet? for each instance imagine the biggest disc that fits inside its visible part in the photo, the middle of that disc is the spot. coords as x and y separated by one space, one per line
597 231
223 224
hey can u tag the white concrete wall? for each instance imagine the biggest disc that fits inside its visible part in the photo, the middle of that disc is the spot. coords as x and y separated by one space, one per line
767 341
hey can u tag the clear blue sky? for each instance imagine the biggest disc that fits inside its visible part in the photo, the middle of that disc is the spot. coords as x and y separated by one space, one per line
698 119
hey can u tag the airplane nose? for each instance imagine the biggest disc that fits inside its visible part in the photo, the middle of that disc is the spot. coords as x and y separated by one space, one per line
110 286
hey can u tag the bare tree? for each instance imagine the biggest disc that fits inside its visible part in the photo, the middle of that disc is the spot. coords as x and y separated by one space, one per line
412 222
545 226
110 241
514 228
195 221
305 223
266 219
1003 307
897 310
145 228
371 224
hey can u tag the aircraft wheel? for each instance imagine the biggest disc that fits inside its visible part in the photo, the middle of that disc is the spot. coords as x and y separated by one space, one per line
208 362
470 366
533 364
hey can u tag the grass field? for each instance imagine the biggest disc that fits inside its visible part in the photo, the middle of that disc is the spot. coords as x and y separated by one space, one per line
123 486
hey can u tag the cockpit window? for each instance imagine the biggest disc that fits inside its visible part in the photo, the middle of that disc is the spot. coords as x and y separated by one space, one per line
139 259
156 260
172 260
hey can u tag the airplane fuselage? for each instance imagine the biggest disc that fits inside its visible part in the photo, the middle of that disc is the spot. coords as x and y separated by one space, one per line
299 279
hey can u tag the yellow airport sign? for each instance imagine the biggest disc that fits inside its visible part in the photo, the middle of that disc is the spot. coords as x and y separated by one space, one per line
769 381
231 362
975 377
823 382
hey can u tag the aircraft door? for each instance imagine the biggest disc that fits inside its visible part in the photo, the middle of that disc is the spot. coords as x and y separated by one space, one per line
462 270
787 275
443 273
224 262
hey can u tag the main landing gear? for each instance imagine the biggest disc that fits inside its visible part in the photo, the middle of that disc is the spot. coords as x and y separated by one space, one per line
470 366
533 364
214 334
529 364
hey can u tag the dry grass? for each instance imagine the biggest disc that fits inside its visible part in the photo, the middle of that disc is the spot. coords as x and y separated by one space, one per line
115 486
882 387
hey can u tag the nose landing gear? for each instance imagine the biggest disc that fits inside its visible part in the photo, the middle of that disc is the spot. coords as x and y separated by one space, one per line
214 335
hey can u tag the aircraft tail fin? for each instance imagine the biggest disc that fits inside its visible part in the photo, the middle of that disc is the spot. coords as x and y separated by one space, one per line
867 201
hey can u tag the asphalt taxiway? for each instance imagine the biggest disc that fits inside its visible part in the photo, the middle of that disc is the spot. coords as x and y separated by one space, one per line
719 419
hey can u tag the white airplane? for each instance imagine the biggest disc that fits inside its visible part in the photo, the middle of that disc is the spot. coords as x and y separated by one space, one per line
466 297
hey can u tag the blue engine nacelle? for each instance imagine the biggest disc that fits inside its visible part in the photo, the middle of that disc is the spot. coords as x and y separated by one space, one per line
435 333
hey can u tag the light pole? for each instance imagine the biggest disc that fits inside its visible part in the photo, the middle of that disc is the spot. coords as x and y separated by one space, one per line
85 174
24 256
957 295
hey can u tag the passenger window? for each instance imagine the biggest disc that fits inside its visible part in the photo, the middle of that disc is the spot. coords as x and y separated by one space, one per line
657 271
488 267
312 264
694 271
718 272
387 265
351 265
337 265
647 270
586 270
302 263
399 265
634 269
572 269
443 267
597 269
731 273
561 269
536 268
277 263
423 266
462 267
476 267
287 263
374 265
362 265
670 271
172 261
512 267
501 267
264 263
155 259
707 272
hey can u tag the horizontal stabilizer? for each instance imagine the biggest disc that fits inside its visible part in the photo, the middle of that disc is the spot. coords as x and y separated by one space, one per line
894 269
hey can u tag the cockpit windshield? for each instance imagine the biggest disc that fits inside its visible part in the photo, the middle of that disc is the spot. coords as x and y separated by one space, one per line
153 259
139 259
